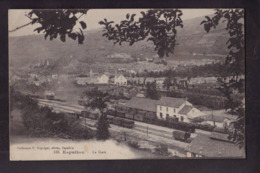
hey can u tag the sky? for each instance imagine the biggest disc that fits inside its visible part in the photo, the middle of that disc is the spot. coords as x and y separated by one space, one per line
17 18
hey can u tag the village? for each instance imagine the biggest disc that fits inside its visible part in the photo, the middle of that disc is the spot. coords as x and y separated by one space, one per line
129 99
133 86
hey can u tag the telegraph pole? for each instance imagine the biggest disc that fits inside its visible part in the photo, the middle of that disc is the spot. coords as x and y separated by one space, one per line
147 130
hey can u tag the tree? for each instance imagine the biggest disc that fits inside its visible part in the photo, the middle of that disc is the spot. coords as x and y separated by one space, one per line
97 100
61 22
156 25
151 91
167 83
235 61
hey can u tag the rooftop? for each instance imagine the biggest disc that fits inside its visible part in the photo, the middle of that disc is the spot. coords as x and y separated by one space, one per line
219 136
208 147
186 109
142 104
219 118
171 102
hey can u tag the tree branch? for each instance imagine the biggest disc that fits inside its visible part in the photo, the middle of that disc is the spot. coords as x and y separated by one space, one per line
20 27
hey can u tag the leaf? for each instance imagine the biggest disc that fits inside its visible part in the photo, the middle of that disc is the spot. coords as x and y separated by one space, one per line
143 13
34 20
101 22
46 35
38 29
63 38
132 17
73 36
83 24
202 22
80 39
207 17
206 27
127 15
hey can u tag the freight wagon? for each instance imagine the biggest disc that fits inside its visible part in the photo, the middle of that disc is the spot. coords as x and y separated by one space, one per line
180 135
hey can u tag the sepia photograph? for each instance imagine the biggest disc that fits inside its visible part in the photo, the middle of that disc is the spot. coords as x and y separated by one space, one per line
124 84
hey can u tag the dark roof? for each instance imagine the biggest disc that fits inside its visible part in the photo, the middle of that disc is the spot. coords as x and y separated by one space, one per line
171 102
186 109
218 118
219 136
205 146
215 118
142 104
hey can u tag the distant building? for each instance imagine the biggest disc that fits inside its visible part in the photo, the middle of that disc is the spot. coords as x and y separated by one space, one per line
54 76
120 80
140 95
222 121
177 108
166 107
103 79
143 104
214 146
36 83
33 75
132 72
82 80
139 108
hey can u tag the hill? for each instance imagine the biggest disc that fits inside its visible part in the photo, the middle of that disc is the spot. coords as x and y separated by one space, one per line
192 39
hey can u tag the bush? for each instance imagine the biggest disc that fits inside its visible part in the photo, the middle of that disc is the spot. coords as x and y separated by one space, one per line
133 144
206 127
45 123
162 150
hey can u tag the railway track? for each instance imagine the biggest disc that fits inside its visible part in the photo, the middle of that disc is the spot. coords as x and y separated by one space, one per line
155 134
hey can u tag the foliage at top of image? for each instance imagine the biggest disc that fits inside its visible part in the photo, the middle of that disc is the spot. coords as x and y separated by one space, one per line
59 23
155 25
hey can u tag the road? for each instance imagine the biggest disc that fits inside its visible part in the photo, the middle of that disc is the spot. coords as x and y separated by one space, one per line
141 130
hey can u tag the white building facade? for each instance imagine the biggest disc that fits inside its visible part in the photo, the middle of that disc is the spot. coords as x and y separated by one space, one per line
120 80
103 79
178 108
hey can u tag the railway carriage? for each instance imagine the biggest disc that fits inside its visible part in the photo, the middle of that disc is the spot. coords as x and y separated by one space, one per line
110 119
139 116
85 114
130 113
127 123
117 121
120 114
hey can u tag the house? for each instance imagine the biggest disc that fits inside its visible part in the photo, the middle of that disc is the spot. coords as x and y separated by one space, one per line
140 107
221 120
177 108
140 95
103 79
36 83
82 80
33 75
213 146
120 80
54 76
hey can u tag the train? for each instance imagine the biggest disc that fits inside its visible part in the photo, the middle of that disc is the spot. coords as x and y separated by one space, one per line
181 135
124 118
49 95
150 118
111 119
